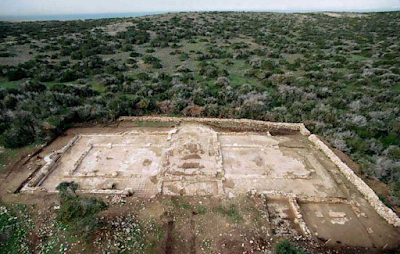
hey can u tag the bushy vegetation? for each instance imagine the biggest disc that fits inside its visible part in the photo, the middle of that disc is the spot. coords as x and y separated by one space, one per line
286 247
78 213
340 76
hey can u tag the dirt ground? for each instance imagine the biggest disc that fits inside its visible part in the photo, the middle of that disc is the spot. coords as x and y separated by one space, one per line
186 224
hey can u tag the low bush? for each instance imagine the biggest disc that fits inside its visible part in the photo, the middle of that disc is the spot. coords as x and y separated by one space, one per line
78 213
286 247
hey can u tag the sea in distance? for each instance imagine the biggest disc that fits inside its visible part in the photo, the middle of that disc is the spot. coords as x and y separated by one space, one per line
74 16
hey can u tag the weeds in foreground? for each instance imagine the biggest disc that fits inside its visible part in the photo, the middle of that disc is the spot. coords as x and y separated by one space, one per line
78 214
286 247
15 224
230 212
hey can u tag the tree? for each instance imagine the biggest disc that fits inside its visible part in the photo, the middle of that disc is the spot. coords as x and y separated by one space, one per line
21 132
16 74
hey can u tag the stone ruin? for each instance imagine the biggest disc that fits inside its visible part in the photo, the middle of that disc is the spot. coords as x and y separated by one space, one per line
223 157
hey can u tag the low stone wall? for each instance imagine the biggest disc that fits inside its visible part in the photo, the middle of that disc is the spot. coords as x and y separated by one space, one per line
51 161
79 161
384 211
240 122
325 200
259 176
299 217
45 170
126 191
294 206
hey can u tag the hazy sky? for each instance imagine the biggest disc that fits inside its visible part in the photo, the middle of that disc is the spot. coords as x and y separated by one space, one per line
35 7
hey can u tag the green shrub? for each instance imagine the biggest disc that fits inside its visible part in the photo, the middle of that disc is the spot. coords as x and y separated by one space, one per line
17 137
21 132
149 59
77 213
231 212
286 247
17 74
143 76
134 54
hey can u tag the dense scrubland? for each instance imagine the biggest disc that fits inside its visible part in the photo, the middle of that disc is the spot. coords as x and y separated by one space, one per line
339 74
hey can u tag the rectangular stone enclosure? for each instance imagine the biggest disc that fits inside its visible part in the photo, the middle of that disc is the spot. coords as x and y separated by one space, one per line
199 156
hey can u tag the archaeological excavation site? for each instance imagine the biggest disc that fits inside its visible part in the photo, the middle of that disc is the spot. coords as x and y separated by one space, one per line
300 184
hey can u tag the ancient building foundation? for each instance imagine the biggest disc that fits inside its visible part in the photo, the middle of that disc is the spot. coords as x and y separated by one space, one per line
219 157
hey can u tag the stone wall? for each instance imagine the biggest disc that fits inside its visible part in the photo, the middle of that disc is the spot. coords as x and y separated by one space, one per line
292 200
384 211
50 163
244 123
294 206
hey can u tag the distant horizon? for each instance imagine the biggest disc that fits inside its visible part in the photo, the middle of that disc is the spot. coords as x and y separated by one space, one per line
77 16
80 16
